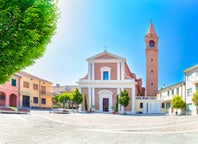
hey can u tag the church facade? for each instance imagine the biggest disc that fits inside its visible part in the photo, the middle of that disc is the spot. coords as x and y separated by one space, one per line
109 74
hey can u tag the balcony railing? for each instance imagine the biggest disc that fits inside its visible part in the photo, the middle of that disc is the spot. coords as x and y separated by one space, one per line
195 80
145 98
45 93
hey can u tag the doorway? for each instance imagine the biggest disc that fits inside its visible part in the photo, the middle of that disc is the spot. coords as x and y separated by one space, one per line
13 100
2 99
26 101
106 104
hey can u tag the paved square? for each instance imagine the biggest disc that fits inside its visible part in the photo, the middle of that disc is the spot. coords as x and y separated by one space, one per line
43 127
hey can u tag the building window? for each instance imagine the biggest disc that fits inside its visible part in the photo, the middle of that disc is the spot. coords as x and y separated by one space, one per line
13 82
163 105
26 84
177 90
35 100
35 87
151 60
151 71
105 75
151 44
189 107
43 101
2 97
168 93
141 105
43 90
167 105
196 87
152 84
172 91
189 92
189 77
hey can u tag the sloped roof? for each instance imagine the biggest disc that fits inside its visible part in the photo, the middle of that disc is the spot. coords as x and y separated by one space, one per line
191 68
105 55
32 76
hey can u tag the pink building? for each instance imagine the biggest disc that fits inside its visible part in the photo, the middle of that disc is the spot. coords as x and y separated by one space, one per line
108 75
9 92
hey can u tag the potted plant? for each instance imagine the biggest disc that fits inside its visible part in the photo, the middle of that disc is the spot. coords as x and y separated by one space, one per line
114 109
92 108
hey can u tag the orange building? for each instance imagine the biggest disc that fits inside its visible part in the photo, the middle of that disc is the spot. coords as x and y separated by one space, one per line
34 91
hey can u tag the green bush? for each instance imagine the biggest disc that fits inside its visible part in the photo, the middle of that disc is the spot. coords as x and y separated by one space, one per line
55 107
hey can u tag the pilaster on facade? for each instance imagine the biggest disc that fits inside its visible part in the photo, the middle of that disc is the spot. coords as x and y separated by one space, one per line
133 100
89 94
118 70
93 72
122 71
93 97
89 71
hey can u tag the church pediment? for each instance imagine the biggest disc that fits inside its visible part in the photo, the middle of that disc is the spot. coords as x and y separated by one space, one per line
105 55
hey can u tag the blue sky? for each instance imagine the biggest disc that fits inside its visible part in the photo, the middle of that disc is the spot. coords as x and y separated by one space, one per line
85 27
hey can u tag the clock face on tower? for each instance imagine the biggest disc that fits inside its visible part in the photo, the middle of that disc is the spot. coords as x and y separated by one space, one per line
151 44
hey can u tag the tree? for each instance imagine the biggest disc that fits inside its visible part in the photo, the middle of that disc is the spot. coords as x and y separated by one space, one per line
177 102
64 98
85 102
195 99
117 103
55 98
77 97
124 98
26 27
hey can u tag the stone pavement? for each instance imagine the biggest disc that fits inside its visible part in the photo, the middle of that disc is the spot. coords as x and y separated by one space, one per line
43 127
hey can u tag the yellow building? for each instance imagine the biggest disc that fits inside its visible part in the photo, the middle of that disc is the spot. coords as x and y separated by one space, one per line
149 105
35 92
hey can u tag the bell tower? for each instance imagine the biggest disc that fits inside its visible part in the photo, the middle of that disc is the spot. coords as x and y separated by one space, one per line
151 40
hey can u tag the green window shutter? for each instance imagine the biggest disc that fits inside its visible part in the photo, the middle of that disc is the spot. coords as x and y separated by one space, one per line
13 83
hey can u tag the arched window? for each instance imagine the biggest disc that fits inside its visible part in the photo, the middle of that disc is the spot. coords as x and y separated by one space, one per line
151 44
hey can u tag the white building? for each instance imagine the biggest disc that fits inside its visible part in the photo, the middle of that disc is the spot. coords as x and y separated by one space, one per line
191 80
166 94
185 89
